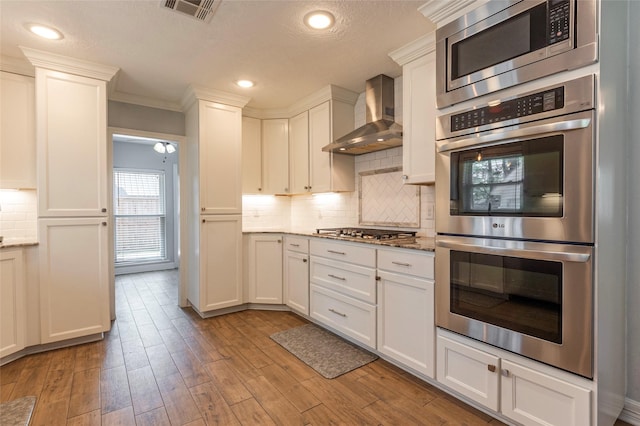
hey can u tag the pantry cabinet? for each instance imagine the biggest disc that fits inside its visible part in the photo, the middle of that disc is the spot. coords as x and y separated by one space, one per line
406 329
18 131
419 109
503 383
265 268
251 156
296 273
13 312
275 156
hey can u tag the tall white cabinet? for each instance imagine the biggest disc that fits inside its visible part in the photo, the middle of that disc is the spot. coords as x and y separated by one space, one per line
73 215
214 159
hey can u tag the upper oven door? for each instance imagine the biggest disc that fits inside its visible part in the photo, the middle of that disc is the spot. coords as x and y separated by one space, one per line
531 181
505 43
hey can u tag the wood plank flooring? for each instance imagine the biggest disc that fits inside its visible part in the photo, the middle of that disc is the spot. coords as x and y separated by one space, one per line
163 365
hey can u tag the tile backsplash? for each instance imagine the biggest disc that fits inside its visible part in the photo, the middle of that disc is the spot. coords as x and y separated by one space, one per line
18 215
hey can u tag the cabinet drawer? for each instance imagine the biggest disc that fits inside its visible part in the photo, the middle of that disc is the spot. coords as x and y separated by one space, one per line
299 244
352 280
407 262
352 317
353 253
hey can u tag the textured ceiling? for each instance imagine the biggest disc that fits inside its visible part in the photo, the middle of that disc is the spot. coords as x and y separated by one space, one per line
160 52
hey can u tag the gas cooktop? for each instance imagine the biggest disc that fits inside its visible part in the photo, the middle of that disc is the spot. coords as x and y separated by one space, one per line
368 233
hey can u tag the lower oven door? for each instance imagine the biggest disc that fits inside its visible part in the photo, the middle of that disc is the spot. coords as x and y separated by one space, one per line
531 298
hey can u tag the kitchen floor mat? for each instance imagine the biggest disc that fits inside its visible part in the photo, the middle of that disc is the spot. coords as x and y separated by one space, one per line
17 412
328 354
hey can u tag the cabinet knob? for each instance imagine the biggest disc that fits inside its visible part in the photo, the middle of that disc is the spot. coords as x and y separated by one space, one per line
104 223
279 241
203 221
378 278
506 373
304 260
202 208
491 368
405 177
306 187
104 210
259 189
286 190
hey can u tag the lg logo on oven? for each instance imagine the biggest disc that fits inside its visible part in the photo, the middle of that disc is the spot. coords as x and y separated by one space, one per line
498 226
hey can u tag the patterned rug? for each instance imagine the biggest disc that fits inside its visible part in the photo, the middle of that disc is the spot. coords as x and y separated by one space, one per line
328 354
17 412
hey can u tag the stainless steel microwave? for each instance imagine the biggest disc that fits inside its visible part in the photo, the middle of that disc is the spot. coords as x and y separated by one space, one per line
505 43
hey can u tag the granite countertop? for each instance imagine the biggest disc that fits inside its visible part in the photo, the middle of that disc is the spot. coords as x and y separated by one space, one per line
421 243
17 242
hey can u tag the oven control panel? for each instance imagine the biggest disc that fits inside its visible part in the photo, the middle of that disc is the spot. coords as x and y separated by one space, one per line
535 103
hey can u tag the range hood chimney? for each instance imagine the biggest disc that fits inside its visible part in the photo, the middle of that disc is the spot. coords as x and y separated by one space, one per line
381 131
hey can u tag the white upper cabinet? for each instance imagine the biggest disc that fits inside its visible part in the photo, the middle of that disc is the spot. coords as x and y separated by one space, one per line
72 145
17 132
299 153
220 158
275 156
419 109
251 156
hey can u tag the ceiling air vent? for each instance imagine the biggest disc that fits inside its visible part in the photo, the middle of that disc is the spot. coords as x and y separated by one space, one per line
202 10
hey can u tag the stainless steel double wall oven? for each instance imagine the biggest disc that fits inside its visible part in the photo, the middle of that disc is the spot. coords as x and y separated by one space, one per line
515 223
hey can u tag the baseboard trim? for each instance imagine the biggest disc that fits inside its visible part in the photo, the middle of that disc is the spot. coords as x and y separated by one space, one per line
631 412
30 350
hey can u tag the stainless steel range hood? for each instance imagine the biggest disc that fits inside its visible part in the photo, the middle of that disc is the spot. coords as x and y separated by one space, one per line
381 131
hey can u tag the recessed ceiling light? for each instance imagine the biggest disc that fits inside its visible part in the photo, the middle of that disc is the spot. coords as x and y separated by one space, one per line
319 20
45 32
245 83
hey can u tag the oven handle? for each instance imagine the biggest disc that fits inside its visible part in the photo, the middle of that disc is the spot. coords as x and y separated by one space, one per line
527 252
511 135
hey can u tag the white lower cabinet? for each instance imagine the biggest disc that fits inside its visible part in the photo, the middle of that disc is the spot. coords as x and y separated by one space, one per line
13 313
343 283
265 268
74 278
296 274
406 330
522 393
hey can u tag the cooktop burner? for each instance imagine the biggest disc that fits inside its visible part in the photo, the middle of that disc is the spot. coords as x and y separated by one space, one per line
367 233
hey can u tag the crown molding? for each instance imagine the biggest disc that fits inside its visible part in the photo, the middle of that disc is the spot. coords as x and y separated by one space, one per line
17 66
195 92
69 65
144 101
441 12
414 50
327 93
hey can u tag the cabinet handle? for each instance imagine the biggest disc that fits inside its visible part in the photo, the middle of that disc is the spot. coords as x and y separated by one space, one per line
306 187
259 189
405 177
286 190
337 313
104 223
294 245
401 263
337 277
279 241
337 252
506 373
203 221
491 368
104 210
304 260
201 208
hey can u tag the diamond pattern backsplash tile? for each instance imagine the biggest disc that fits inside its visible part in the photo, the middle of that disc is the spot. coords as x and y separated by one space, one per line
386 201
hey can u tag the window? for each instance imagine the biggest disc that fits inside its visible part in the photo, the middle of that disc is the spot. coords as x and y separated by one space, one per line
139 206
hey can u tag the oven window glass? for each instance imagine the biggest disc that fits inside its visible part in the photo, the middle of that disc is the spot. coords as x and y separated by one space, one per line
522 295
509 39
517 179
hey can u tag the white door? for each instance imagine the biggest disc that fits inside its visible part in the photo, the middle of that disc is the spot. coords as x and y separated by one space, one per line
72 145
296 278
13 313
299 153
319 136
74 278
265 269
251 156
275 156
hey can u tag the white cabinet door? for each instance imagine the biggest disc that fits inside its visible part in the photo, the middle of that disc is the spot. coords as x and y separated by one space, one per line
275 156
419 115
406 330
220 150
265 268
17 132
299 153
13 313
251 156
220 263
533 398
74 278
473 373
296 281
72 145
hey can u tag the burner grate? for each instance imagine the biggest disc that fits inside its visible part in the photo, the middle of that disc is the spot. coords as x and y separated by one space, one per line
367 233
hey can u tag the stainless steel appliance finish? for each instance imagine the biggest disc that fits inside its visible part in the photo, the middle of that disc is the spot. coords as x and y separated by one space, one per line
525 172
505 43
542 311
381 131
368 233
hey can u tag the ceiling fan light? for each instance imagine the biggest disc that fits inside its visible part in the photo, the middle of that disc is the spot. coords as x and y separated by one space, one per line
159 147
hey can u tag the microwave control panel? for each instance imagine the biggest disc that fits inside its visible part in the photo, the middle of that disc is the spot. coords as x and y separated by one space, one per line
558 21
536 103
